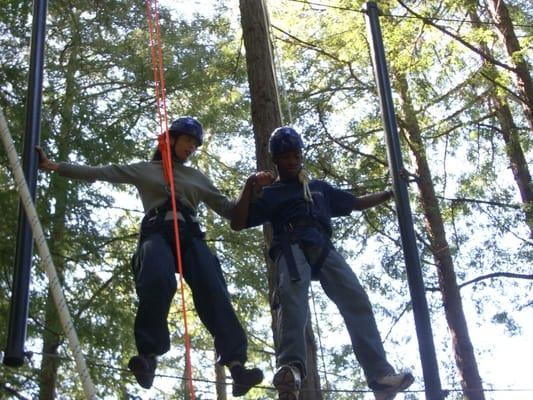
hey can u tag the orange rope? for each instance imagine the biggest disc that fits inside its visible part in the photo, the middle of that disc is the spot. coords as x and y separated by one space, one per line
152 13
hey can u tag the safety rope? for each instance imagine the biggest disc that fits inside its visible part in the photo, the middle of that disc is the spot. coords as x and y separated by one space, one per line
46 260
152 12
303 177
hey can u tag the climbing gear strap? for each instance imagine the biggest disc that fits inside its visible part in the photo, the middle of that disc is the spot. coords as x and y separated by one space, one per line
291 234
164 214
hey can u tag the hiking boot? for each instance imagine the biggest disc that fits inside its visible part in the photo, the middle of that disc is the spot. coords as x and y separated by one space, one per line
244 379
287 381
388 386
143 367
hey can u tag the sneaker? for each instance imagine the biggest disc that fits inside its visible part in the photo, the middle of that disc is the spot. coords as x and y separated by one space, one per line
244 379
388 386
143 367
287 381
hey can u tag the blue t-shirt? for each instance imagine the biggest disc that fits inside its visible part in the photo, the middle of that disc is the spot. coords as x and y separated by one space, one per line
281 203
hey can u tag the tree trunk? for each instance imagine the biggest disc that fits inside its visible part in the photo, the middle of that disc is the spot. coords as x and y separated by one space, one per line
462 345
500 15
266 116
510 134
220 378
50 360
220 370
52 335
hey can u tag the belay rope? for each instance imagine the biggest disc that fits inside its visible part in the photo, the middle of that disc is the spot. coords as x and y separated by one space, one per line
152 13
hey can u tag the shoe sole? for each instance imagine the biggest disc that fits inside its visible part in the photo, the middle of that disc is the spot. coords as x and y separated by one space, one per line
240 389
390 394
285 385
137 366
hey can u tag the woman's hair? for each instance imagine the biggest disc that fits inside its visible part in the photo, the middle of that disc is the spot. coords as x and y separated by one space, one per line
157 155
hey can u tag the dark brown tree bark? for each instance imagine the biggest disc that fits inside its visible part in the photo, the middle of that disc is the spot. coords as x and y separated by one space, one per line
500 15
451 296
266 116
509 132
517 159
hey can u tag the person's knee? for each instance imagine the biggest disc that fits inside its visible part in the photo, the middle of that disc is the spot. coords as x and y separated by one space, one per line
157 274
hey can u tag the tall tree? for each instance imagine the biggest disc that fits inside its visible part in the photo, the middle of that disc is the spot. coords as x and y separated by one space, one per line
453 308
500 14
266 116
507 126
456 101
98 110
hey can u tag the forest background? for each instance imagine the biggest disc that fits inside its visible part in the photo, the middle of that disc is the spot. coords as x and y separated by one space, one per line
461 77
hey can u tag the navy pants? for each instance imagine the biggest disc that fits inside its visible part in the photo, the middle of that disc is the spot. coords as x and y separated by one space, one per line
155 283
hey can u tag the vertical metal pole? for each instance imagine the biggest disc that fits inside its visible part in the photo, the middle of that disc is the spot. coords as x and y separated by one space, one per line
414 275
18 314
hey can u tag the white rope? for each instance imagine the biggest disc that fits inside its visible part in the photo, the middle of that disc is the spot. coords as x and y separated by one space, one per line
46 259
303 177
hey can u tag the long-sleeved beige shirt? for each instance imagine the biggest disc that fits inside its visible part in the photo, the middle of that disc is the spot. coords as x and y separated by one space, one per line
191 186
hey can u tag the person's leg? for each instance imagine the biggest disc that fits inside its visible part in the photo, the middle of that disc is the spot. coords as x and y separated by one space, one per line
155 284
343 288
293 310
292 318
203 274
211 298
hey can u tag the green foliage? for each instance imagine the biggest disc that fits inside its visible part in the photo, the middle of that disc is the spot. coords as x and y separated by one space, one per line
98 108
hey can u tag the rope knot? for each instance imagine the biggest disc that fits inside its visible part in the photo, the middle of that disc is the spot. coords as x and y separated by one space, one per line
303 177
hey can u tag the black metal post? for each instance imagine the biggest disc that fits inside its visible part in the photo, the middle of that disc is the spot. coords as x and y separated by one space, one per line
18 314
414 275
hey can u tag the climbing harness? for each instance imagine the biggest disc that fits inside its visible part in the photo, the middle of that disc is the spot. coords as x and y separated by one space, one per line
156 51
289 235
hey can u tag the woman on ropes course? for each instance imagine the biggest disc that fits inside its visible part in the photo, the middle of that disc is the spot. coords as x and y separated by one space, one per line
154 263
300 213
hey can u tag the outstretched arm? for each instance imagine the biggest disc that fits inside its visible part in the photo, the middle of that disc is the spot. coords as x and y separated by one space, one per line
371 200
44 163
240 211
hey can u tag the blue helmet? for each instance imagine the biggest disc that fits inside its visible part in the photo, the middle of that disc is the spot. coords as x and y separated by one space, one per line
283 140
187 126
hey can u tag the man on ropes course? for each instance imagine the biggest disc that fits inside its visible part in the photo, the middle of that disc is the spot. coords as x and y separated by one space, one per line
154 263
300 213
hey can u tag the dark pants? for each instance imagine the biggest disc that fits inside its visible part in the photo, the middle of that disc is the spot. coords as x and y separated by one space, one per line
155 283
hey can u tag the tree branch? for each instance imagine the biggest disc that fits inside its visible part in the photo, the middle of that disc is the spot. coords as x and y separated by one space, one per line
488 276
485 56
476 201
